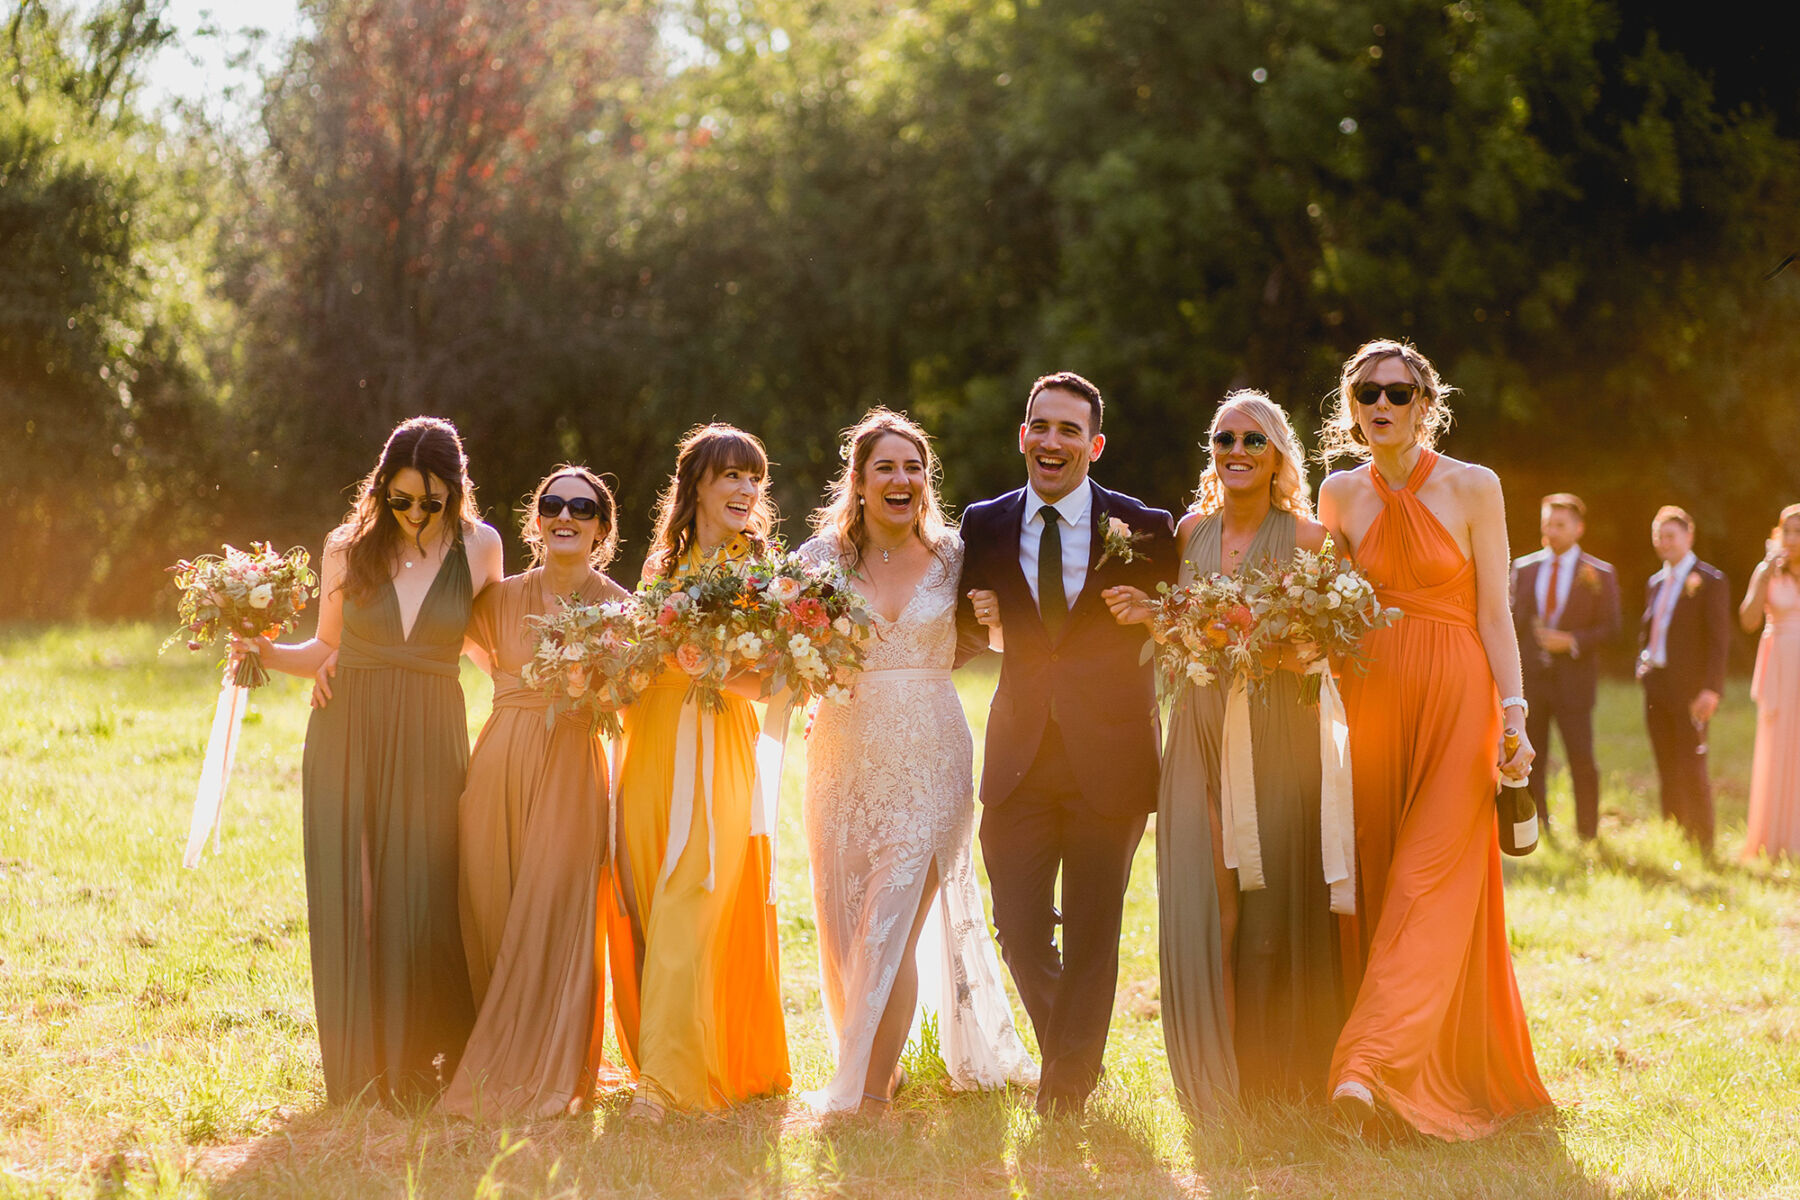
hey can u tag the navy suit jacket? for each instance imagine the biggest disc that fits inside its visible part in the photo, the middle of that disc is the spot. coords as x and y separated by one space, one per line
1591 615
1102 695
1699 632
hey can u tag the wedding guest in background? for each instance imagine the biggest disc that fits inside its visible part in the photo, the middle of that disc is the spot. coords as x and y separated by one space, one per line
1071 761
697 985
1683 640
1565 605
1773 601
1437 1035
533 831
1251 996
890 792
383 767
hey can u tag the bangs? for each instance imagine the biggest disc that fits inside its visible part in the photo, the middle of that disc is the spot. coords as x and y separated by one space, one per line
733 450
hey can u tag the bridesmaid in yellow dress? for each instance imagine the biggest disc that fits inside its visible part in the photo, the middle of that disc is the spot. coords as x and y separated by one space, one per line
533 832
1774 593
697 981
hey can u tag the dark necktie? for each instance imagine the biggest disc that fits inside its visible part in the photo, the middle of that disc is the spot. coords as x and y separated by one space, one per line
1053 601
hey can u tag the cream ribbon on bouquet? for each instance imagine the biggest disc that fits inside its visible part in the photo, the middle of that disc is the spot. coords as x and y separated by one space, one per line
696 745
1237 792
215 771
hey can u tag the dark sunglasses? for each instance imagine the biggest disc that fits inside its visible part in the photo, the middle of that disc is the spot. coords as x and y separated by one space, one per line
1225 441
581 508
404 504
1398 394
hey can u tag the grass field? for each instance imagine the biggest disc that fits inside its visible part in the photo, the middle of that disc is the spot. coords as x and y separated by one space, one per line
156 1028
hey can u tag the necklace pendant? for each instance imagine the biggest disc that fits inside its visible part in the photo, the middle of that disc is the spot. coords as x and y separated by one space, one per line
884 556
408 565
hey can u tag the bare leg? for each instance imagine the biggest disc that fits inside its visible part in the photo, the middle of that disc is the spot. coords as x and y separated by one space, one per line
896 1018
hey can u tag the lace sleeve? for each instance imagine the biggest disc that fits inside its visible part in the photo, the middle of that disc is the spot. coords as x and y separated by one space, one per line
950 552
820 550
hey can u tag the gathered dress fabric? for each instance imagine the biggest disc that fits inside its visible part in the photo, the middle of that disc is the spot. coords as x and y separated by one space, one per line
1258 1018
533 834
697 970
1437 1030
890 791
1775 765
382 770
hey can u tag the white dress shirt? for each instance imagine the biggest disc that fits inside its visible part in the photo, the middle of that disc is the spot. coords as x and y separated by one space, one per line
1566 565
1670 581
1077 532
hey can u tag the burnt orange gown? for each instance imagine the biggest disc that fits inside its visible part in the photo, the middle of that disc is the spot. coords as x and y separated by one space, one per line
1436 1029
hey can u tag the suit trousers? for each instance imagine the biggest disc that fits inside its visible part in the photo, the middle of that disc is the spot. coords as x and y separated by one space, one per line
1680 758
1575 721
1043 826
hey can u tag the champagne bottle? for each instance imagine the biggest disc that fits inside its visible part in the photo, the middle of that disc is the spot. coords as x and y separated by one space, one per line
1516 810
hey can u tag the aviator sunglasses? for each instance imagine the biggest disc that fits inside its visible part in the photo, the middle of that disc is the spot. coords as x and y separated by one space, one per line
581 508
1398 394
404 504
1225 441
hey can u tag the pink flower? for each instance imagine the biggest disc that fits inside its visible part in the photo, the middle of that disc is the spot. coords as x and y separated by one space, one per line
786 589
690 658
666 616
810 613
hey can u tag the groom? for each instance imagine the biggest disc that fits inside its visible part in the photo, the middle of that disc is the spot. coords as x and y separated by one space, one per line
1071 761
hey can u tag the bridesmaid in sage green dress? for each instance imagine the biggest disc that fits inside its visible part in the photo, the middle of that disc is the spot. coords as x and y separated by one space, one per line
1251 1000
383 768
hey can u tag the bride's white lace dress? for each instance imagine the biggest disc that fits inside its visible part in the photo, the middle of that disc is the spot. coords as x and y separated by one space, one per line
890 787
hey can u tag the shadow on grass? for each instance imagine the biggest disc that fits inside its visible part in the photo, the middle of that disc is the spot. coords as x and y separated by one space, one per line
1704 880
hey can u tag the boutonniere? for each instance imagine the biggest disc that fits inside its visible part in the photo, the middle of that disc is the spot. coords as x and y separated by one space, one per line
1588 578
1694 580
1117 540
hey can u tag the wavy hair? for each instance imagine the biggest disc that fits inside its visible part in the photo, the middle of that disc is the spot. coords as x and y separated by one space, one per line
1342 435
842 514
1289 489
605 546
371 532
704 451
1787 514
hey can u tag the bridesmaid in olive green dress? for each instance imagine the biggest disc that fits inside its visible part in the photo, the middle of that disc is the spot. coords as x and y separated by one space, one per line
1251 1002
383 767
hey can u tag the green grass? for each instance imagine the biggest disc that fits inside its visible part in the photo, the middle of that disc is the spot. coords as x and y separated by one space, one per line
156 1028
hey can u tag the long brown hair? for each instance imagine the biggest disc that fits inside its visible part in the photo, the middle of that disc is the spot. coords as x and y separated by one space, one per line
605 546
705 451
842 514
1343 436
372 532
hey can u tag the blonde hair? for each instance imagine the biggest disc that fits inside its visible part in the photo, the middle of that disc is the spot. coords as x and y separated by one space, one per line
1342 435
1787 514
704 452
1675 513
1288 486
842 515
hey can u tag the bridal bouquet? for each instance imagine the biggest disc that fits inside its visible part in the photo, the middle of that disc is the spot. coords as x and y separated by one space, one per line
594 657
246 593
1204 631
1317 605
800 624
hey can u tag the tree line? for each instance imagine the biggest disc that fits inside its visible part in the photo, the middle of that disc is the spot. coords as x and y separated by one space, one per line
576 227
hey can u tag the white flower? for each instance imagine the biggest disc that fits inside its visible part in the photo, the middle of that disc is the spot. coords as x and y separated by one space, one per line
843 626
1332 600
262 595
1198 674
572 652
786 589
1117 527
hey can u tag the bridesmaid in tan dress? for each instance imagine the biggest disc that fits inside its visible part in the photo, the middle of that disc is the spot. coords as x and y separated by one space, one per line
533 826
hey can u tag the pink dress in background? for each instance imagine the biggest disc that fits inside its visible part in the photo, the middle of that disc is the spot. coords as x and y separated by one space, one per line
1775 770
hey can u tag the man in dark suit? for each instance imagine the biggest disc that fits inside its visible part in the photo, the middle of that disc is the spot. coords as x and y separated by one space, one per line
1682 642
1072 759
1565 604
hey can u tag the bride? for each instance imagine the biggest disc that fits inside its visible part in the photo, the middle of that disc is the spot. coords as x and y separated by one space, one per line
890 792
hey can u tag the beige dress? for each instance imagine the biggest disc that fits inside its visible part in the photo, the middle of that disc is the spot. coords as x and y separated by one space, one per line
533 847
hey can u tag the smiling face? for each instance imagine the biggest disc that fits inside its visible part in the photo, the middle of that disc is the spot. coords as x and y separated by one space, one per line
1560 527
1790 539
1240 472
893 485
1673 541
415 523
566 537
723 504
1384 424
1057 442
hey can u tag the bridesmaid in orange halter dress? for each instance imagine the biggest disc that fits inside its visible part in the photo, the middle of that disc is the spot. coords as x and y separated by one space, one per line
1436 1035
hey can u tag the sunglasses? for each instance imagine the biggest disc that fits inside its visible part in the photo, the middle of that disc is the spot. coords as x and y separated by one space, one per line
581 508
1397 393
404 504
1225 441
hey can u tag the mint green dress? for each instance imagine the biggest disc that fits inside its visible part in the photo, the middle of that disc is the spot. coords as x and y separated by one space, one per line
382 773
1283 968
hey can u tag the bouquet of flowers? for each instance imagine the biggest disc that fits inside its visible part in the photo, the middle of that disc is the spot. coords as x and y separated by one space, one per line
1317 605
797 622
243 592
594 657
1204 631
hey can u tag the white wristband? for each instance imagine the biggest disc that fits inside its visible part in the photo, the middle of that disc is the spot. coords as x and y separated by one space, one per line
1516 702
